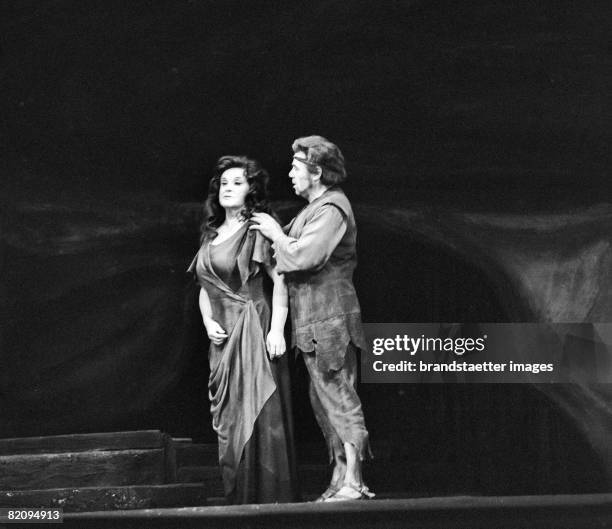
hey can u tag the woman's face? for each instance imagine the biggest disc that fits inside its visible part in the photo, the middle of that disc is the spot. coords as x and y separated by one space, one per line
233 188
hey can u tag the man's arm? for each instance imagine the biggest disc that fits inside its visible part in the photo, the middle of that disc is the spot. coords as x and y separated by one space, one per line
318 240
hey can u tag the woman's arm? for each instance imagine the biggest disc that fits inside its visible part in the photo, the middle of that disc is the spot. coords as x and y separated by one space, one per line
275 340
215 332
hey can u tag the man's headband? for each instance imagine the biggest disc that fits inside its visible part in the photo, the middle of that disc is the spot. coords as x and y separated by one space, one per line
305 161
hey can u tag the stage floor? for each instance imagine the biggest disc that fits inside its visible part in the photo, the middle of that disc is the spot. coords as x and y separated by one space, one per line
455 512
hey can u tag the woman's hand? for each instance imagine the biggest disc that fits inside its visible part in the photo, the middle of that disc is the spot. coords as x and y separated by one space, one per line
275 342
215 332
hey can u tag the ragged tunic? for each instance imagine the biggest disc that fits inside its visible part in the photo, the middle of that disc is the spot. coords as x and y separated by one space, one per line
249 394
318 257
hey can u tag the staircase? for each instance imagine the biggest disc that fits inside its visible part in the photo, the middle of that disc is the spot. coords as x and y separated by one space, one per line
122 471
105 471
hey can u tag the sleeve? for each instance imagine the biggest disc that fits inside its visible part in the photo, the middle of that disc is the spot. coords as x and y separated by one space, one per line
262 250
313 248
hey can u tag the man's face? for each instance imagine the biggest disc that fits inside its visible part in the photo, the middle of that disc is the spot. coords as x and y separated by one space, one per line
301 178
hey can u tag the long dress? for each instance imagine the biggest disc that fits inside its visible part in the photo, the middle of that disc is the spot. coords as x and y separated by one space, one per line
249 394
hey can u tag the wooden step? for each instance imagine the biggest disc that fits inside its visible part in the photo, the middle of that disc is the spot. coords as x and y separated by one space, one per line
182 440
109 498
144 457
84 469
84 442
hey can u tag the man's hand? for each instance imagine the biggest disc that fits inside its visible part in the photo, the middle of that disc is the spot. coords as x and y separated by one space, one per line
267 226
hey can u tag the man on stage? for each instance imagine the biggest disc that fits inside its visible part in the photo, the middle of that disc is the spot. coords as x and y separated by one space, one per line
316 253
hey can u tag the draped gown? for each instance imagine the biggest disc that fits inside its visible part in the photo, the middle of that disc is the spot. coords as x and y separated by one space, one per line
249 394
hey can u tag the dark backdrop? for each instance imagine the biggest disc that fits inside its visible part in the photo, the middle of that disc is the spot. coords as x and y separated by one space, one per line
423 96
114 112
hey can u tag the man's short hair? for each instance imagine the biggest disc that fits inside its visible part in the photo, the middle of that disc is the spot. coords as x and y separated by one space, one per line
322 152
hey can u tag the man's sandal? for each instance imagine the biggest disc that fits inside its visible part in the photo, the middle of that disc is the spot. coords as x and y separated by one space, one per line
330 491
351 492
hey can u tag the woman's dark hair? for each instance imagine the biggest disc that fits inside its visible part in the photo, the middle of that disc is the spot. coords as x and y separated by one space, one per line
255 200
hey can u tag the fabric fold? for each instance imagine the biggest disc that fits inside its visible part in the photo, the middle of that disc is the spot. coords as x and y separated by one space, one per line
244 368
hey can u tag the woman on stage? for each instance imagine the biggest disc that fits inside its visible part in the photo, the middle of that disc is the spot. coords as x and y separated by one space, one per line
249 379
